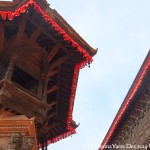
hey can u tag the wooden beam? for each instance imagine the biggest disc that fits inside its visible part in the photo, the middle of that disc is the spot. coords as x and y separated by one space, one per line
53 125
53 88
53 52
58 91
45 128
33 22
34 36
52 72
52 103
49 36
58 62
56 41
51 115
2 36
20 33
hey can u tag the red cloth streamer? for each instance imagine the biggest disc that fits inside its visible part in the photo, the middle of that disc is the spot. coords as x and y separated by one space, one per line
3 14
70 130
11 15
60 137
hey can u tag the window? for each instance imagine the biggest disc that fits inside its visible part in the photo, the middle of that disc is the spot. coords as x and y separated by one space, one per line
25 80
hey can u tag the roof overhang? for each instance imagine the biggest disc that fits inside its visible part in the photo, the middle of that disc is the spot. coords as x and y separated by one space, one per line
142 75
10 10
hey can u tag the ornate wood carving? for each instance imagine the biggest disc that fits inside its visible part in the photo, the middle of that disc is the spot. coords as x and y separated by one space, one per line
28 143
15 141
136 130
17 133
30 105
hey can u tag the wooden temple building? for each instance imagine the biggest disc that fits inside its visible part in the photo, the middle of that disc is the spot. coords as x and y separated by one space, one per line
131 126
40 59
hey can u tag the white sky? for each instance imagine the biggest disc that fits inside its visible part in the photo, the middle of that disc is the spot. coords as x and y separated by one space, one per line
121 31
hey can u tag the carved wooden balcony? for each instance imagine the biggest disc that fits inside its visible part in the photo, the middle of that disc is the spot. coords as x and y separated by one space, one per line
16 98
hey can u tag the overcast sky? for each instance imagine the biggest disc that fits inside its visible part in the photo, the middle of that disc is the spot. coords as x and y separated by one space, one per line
120 29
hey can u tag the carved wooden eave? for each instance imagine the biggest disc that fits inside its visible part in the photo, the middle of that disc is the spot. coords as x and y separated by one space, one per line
38 46
131 124
12 6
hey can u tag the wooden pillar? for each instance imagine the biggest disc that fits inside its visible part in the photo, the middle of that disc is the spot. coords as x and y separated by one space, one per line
10 69
2 38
